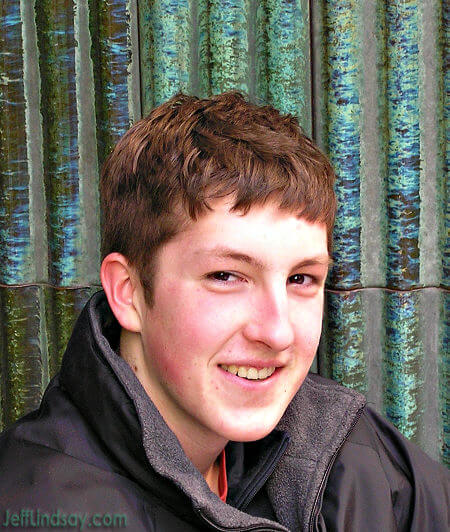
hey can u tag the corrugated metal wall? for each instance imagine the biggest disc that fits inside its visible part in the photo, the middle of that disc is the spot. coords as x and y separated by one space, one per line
69 88
365 78
379 113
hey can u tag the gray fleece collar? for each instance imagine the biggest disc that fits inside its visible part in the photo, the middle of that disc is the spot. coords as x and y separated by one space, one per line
319 418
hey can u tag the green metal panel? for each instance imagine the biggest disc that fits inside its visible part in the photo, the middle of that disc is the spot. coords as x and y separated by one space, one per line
22 368
344 325
165 50
207 47
68 92
379 92
14 201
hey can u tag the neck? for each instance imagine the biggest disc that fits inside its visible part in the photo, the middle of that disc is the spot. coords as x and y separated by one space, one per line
203 449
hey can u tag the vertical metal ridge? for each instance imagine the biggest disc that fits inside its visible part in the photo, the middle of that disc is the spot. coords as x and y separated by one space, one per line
87 165
146 58
56 44
373 208
166 27
403 376
444 378
3 359
194 49
259 27
373 343
63 307
22 375
342 20
38 270
403 207
345 332
228 45
431 171
287 25
43 337
445 241
429 312
319 54
15 255
134 85
204 48
252 39
111 59
445 235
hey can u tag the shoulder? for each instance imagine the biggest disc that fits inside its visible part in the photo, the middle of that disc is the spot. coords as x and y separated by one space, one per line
379 476
50 461
46 480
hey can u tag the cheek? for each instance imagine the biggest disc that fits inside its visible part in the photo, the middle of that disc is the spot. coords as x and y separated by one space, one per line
207 316
188 334
309 325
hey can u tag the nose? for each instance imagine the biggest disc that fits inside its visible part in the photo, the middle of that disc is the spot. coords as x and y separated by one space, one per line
269 321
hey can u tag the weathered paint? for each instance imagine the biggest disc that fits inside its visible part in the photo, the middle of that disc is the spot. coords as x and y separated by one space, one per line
110 52
55 30
444 378
445 242
283 73
228 45
445 235
21 358
342 357
37 323
165 50
62 307
432 177
403 379
373 148
38 267
15 254
342 22
89 228
403 202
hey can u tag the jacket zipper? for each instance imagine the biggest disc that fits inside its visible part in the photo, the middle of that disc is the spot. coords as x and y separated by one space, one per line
246 498
314 511
254 528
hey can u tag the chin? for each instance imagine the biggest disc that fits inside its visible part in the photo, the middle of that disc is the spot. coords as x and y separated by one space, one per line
249 431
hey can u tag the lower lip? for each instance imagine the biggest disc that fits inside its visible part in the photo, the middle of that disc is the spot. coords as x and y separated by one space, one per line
250 384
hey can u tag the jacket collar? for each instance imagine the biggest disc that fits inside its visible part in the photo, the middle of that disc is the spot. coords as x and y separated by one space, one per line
112 399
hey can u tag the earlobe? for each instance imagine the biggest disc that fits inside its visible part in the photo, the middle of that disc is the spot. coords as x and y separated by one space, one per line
119 283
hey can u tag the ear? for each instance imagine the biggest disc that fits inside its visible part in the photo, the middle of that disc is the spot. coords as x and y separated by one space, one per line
121 286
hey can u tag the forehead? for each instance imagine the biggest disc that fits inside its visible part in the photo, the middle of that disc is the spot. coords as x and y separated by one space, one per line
263 236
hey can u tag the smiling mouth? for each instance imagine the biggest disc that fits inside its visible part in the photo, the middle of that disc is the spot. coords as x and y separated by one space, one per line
248 372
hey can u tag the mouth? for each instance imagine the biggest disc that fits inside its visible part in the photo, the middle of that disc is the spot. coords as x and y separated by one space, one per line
249 372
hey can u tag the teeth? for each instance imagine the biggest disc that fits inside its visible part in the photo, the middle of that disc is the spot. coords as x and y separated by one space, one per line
242 371
232 369
264 373
248 372
252 374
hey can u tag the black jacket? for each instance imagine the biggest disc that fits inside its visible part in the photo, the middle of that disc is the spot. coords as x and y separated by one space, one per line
98 449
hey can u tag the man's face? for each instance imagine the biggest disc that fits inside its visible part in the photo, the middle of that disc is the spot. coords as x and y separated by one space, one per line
234 293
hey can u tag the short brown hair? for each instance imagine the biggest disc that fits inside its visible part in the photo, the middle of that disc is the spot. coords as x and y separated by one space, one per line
189 151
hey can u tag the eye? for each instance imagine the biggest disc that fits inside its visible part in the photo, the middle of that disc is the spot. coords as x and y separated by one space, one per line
224 277
301 279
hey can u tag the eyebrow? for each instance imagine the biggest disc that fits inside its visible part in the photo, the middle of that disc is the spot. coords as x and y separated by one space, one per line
230 253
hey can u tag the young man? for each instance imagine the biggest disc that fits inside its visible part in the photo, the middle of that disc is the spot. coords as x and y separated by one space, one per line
184 401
